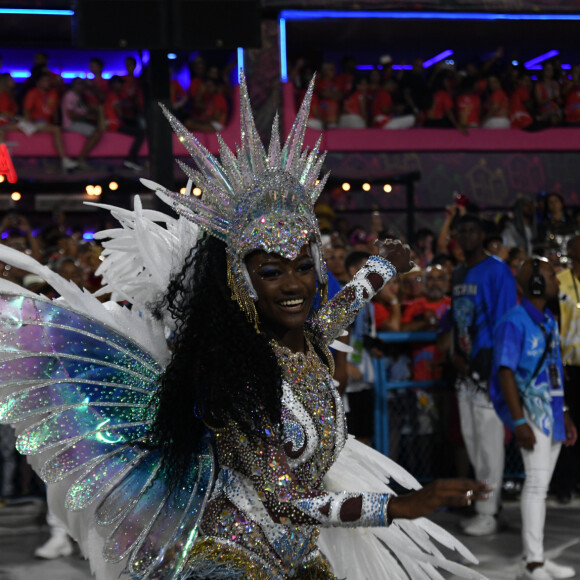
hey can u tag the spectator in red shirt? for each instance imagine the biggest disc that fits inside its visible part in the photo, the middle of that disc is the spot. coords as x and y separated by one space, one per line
197 73
329 94
572 98
388 307
441 114
521 103
216 111
346 79
497 116
96 88
115 122
40 114
375 84
385 111
133 103
548 97
77 118
354 107
8 105
468 103
424 314
39 68
178 99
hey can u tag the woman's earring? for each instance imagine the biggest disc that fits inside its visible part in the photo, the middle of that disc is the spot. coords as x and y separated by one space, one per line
240 295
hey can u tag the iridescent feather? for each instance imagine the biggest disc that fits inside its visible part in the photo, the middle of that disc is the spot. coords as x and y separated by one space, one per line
81 396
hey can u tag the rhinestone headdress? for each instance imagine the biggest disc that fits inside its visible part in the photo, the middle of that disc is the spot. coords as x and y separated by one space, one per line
253 199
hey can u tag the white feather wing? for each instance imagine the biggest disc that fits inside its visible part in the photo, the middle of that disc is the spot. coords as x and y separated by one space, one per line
405 550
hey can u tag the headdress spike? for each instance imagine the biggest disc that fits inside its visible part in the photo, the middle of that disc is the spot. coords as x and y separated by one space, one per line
274 149
293 146
251 142
204 159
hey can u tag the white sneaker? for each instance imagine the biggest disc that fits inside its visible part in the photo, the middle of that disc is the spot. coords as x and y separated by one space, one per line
538 573
68 163
132 165
558 571
480 525
57 546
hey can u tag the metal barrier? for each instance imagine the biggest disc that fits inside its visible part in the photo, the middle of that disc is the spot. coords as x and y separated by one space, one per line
417 422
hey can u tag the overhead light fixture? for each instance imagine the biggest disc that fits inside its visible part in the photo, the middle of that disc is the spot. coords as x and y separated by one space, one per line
416 15
113 186
346 186
283 52
437 58
388 188
36 12
536 61
366 186
16 196
196 191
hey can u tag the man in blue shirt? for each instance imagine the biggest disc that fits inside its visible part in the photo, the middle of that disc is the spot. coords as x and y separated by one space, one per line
483 291
527 389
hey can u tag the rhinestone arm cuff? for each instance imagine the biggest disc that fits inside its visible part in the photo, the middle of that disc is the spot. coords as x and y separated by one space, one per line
327 509
342 309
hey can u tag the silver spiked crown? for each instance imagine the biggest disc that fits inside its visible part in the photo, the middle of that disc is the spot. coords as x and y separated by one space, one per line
253 199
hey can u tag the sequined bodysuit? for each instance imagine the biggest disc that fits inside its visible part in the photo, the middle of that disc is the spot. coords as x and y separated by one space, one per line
264 516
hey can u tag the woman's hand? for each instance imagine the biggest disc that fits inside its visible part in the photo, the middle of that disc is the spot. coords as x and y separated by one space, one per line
525 437
571 432
397 253
441 492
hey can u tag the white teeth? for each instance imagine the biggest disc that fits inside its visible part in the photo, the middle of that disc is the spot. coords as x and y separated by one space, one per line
292 302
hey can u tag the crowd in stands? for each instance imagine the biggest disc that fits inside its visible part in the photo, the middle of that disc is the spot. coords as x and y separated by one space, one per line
417 301
420 301
95 105
493 95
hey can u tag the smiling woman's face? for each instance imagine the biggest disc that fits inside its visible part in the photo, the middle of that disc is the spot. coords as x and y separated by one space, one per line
285 291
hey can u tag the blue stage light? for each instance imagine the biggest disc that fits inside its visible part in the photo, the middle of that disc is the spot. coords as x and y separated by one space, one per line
283 54
36 11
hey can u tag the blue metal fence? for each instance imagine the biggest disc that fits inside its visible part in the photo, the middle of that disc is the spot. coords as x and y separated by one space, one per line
416 422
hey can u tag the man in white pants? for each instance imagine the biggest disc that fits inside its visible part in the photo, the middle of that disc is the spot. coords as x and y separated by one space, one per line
527 388
483 290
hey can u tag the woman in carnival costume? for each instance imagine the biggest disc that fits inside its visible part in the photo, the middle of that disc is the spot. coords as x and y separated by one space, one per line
221 452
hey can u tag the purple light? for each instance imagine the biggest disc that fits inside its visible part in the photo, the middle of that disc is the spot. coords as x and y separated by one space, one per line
437 58
535 61
380 67
408 15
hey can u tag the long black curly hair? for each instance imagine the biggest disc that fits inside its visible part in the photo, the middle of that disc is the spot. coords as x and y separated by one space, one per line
221 368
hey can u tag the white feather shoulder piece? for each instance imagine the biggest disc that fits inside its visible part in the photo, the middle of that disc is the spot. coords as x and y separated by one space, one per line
141 256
